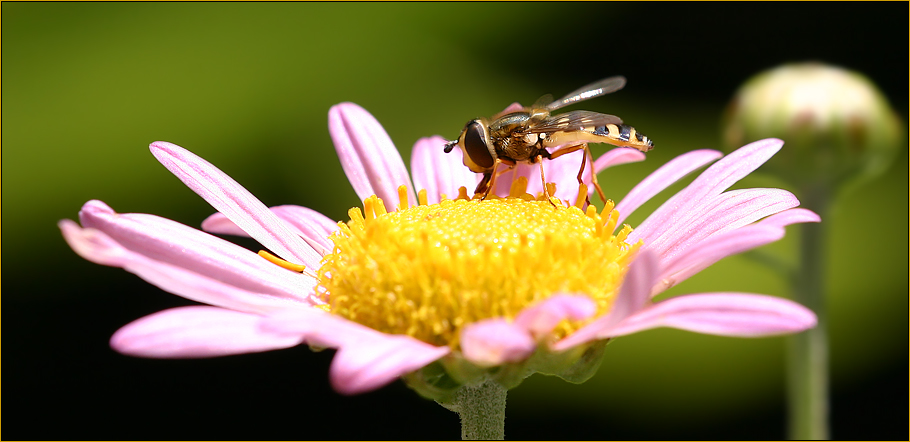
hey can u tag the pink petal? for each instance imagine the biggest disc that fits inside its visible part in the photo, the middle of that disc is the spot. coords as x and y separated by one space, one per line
733 167
368 157
713 249
633 295
720 176
220 224
314 227
495 341
196 332
92 244
311 225
725 314
367 365
317 327
235 202
439 172
185 261
792 216
705 253
662 178
715 215
179 245
541 318
366 359
617 156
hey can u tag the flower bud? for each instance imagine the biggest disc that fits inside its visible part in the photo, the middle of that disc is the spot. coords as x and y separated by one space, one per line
836 124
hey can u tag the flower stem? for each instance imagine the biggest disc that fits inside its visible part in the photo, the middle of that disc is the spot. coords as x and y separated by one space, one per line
482 409
807 369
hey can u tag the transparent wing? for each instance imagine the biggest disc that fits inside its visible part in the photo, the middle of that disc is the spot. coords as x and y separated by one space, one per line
542 102
596 89
539 110
575 120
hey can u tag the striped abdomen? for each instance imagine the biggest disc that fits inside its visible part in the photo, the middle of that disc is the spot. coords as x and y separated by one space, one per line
616 134
625 136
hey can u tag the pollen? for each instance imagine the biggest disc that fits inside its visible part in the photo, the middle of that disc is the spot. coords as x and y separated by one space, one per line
429 270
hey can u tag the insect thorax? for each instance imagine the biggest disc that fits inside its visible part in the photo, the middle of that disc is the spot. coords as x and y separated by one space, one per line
509 141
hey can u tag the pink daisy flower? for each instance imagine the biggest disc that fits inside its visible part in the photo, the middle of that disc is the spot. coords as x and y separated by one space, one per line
441 289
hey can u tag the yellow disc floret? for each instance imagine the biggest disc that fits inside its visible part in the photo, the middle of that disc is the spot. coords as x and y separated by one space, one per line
429 270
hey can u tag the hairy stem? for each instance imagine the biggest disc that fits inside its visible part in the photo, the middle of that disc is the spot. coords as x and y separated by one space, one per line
482 409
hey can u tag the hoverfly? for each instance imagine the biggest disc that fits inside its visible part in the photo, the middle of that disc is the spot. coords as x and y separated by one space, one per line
524 136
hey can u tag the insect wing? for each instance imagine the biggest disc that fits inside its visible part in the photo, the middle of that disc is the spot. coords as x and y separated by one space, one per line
538 110
596 89
542 102
575 120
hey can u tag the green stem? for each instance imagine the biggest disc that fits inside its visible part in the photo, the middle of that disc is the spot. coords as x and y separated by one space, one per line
482 409
808 359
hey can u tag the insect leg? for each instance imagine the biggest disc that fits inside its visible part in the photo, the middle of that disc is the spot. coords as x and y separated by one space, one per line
570 149
573 148
543 181
584 158
484 185
494 175
600 191
567 149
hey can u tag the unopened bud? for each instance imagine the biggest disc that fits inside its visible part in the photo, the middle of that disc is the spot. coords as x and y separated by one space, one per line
835 123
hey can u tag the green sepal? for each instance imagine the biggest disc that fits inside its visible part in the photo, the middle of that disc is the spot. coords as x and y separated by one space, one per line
441 380
433 382
586 365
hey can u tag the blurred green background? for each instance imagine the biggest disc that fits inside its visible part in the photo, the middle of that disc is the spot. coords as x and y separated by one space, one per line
87 86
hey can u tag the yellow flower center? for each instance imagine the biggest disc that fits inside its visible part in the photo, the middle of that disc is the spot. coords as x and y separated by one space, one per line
428 271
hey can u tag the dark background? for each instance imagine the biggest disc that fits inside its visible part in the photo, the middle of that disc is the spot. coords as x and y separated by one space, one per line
87 86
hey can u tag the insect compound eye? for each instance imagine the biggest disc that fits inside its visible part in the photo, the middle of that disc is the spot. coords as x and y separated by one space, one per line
475 144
